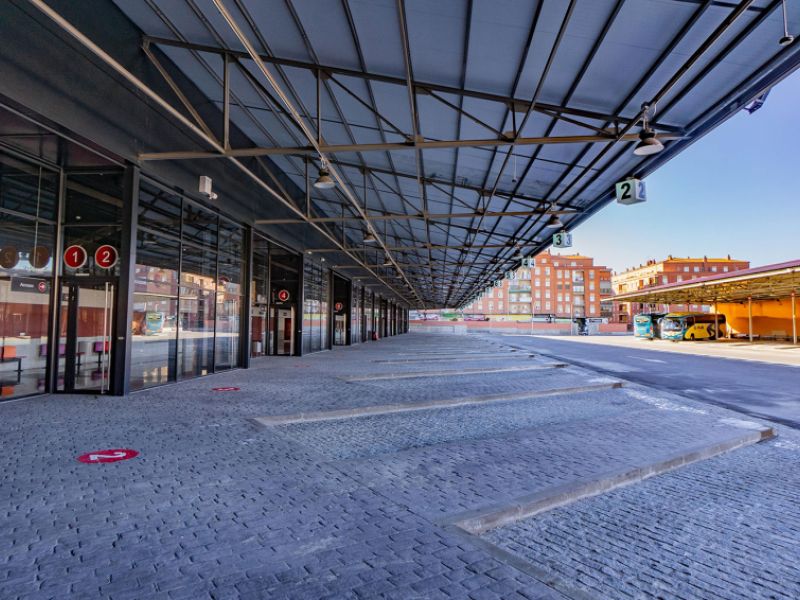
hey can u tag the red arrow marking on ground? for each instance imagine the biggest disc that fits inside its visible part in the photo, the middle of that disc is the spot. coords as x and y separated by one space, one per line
107 456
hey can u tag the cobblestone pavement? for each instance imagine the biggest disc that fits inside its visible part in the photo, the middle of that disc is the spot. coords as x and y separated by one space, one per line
728 527
216 506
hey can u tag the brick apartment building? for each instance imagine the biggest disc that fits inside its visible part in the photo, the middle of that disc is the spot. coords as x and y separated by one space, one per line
671 270
556 286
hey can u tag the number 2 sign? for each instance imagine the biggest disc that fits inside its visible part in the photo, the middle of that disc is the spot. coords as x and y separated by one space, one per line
106 256
631 191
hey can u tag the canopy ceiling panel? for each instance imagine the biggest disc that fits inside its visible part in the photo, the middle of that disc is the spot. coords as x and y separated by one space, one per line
456 130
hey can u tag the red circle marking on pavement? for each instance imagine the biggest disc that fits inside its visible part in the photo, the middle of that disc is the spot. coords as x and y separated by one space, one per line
225 389
283 295
75 256
106 256
107 456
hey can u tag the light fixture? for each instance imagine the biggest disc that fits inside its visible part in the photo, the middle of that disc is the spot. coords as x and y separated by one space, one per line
648 142
324 181
518 255
554 221
787 37
369 238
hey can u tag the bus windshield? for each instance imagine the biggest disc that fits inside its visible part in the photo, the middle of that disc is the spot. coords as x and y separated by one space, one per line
671 324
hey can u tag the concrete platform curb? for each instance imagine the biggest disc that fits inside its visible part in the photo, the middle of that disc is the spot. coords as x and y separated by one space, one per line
369 411
454 357
451 373
482 520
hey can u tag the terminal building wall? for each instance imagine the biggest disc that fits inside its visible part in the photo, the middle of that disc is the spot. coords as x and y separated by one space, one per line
771 318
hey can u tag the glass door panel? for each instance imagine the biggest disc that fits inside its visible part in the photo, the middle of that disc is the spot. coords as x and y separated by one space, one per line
85 335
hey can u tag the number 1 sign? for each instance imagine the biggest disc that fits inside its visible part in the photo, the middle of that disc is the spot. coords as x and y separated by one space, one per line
75 256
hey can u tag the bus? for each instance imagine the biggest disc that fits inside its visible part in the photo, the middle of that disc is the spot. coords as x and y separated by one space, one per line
475 317
692 326
647 325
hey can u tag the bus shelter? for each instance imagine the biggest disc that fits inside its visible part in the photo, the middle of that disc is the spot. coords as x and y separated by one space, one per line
759 303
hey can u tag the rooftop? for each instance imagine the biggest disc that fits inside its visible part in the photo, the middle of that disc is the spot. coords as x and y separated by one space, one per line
759 283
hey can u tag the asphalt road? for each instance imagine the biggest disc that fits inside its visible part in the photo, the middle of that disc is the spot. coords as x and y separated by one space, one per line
756 389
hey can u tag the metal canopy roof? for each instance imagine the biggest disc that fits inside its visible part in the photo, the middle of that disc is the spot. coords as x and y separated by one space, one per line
769 282
456 129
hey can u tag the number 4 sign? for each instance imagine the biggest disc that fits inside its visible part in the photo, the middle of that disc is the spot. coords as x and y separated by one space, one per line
631 191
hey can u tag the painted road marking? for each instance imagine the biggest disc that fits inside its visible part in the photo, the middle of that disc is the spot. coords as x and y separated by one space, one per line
107 456
225 389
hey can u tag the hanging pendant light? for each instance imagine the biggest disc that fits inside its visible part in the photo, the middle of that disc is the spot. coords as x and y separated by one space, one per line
554 221
324 181
369 238
648 144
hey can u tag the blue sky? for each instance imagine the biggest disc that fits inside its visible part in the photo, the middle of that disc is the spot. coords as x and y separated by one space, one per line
736 191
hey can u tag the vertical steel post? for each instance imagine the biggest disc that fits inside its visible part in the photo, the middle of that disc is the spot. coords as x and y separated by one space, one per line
246 309
794 318
716 320
750 318
226 102
120 359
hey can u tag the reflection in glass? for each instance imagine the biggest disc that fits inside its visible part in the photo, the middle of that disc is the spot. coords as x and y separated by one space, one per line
154 328
27 211
229 303
259 297
197 307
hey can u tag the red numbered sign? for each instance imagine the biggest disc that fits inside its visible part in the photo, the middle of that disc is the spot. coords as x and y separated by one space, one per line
105 256
107 456
283 295
338 306
75 256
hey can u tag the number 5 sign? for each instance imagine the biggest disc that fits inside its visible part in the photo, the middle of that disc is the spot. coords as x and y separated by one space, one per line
106 256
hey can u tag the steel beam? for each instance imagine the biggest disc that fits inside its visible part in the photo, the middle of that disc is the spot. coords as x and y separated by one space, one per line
422 87
419 144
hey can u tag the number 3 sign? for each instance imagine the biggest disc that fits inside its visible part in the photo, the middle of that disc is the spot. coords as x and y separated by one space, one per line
106 256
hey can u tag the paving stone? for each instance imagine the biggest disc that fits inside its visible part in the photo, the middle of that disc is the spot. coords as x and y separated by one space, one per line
216 506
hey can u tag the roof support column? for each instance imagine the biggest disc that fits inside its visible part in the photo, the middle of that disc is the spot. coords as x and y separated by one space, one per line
794 318
716 321
750 319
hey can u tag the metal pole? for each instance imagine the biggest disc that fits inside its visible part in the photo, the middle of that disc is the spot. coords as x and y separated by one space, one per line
794 319
716 320
105 341
750 318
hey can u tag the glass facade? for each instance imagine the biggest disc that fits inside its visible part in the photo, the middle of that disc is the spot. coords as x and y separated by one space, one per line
65 319
187 306
356 306
28 201
316 297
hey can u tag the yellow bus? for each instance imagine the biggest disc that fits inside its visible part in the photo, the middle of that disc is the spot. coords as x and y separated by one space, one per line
692 326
